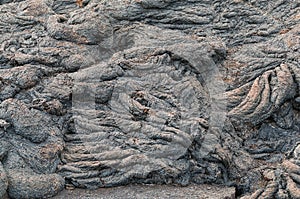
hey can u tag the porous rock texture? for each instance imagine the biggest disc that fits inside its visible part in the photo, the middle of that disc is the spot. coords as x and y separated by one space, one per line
111 92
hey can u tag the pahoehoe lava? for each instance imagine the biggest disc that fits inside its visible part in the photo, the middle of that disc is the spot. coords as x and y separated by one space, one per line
107 93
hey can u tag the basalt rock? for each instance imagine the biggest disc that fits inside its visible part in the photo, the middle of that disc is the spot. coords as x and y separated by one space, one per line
106 93
3 181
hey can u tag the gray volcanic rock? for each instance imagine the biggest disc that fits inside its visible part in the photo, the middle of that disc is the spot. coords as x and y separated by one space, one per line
3 181
24 185
113 92
144 110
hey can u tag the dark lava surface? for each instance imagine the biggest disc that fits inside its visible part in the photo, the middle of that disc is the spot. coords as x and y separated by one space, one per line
107 93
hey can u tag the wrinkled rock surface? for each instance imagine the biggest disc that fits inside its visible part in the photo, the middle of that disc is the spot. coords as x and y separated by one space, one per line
108 93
